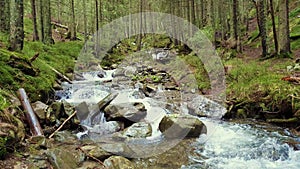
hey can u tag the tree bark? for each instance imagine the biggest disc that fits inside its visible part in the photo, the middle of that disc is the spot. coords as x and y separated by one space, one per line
16 25
85 22
34 21
263 33
274 26
284 32
73 24
4 16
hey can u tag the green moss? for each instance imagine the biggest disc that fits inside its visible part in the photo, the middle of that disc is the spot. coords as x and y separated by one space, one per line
200 73
260 82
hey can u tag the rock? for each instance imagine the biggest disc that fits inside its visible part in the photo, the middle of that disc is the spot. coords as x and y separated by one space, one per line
129 71
89 165
131 111
40 109
96 152
39 141
138 130
65 137
179 126
119 148
57 86
106 128
65 156
206 107
118 162
11 128
82 111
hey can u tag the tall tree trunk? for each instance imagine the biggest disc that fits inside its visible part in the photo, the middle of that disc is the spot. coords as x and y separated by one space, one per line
41 10
140 35
274 26
97 40
73 24
34 21
47 22
85 22
235 19
263 33
16 25
284 32
4 16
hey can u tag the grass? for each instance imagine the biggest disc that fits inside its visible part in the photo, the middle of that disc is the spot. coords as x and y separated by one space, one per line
260 82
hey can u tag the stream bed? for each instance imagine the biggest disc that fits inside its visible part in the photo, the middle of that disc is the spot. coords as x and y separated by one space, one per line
226 145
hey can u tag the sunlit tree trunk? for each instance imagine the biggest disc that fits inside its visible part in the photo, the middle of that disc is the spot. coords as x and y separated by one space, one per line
284 32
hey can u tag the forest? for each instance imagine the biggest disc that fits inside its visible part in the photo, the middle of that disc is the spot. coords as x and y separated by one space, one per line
141 84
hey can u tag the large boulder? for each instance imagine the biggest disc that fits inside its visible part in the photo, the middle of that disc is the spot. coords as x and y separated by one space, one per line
65 156
118 162
96 151
131 111
138 130
180 126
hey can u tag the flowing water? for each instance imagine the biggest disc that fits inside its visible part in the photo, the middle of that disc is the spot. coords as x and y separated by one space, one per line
227 145
237 146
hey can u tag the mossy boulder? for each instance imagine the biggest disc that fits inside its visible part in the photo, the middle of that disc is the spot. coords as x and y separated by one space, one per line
180 126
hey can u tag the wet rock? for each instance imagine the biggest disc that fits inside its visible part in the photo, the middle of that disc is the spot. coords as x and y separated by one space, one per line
82 111
65 137
65 157
118 162
131 111
206 107
138 130
179 126
106 128
119 148
40 109
96 151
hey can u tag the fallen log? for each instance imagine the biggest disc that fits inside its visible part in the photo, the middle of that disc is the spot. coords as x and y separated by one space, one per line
60 25
34 57
34 124
61 75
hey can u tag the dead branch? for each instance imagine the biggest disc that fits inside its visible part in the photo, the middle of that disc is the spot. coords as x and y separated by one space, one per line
72 115
61 75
